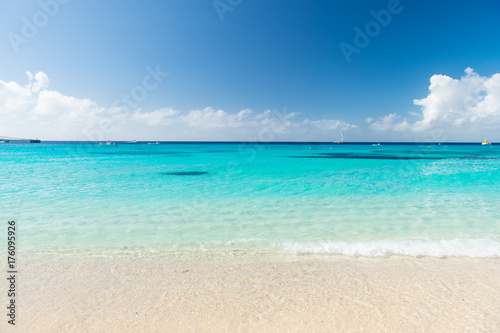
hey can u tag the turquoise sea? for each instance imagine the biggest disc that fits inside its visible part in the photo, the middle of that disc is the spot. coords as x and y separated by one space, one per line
354 199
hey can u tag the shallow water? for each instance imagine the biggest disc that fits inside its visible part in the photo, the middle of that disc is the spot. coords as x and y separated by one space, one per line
345 199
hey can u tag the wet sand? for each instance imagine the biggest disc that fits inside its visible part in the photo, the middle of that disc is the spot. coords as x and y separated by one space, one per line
241 291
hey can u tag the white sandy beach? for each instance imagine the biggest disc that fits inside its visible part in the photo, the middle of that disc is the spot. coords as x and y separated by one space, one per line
256 292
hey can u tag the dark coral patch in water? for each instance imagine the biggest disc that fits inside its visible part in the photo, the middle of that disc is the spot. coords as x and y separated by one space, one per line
185 173
375 157
125 153
391 157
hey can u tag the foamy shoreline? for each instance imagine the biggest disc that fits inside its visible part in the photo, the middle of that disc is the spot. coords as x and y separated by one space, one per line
244 291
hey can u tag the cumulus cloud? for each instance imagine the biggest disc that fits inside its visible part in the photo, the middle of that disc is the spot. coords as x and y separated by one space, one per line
33 110
470 104
471 100
39 81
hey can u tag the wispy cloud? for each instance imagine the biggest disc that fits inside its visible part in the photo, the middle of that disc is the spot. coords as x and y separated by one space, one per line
330 124
211 118
390 122
34 110
164 116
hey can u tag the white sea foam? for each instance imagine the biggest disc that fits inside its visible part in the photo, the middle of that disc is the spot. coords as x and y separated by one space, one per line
458 247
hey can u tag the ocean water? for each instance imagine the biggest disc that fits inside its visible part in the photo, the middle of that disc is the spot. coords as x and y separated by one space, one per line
352 199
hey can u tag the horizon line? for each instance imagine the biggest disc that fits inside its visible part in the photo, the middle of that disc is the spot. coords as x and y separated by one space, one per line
253 142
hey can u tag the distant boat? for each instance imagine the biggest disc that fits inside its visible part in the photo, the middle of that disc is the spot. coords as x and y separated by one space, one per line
375 144
153 143
107 144
486 143
5 139
341 138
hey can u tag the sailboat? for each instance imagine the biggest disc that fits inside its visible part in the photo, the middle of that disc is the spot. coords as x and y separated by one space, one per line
486 143
341 138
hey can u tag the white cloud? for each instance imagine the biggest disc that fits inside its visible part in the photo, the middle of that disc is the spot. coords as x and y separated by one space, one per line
41 81
329 124
277 122
211 118
390 122
33 110
470 105
469 101
162 116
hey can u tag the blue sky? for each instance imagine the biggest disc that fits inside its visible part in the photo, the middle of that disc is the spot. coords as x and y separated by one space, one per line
266 66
